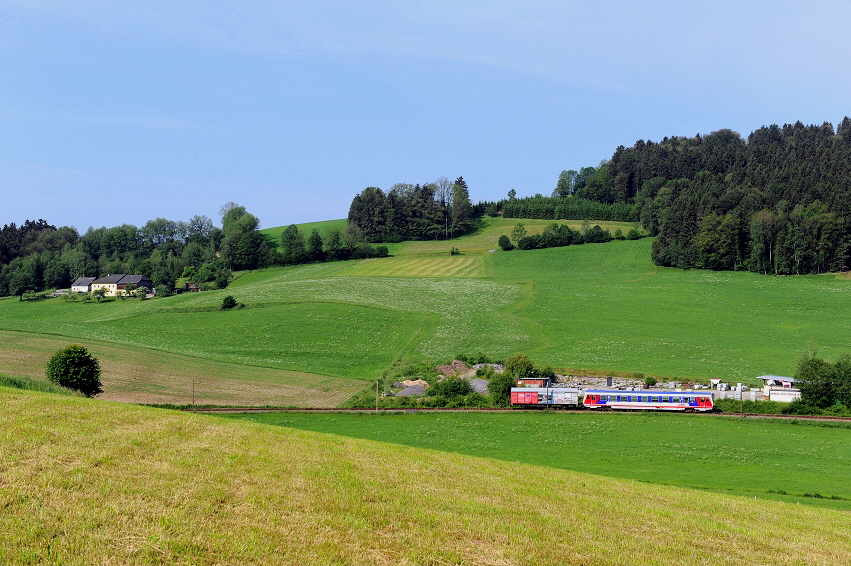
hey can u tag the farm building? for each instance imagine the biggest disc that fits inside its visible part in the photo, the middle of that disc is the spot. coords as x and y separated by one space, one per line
82 285
121 283
779 388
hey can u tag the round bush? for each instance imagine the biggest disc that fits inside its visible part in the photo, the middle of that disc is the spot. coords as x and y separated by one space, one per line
75 368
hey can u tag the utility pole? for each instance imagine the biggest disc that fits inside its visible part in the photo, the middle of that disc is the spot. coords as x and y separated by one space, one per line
376 394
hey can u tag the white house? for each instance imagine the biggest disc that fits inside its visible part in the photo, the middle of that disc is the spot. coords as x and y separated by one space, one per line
82 285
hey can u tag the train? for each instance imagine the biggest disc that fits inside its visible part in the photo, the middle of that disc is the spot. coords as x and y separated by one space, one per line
613 399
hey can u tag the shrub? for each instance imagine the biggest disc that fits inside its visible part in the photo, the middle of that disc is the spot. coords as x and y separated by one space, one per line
545 372
633 234
382 251
532 242
73 367
505 243
500 388
228 302
519 366
451 387
649 381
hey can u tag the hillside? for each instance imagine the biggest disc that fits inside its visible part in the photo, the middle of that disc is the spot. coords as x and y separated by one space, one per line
333 327
217 491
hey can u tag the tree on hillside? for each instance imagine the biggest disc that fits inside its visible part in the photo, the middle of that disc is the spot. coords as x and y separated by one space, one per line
461 209
314 247
293 245
518 233
565 184
519 366
499 386
75 368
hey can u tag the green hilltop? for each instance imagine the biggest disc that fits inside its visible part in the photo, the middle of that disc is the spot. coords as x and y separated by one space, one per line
314 330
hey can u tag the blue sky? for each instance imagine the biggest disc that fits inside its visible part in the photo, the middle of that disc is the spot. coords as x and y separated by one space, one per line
121 112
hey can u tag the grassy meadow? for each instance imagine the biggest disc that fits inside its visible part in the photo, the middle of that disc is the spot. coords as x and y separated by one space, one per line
595 307
217 491
809 463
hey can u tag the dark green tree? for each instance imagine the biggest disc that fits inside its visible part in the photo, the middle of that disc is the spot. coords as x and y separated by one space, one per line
75 368
499 386
314 248
519 366
818 384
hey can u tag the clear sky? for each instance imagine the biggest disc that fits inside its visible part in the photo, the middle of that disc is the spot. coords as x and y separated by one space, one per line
124 111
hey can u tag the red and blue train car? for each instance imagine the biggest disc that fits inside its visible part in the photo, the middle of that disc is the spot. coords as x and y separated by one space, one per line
645 400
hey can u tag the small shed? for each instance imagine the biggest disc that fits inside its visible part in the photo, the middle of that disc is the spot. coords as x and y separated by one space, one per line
82 284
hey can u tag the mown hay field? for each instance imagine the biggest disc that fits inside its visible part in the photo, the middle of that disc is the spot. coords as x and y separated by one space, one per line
418 267
140 375
92 482
808 462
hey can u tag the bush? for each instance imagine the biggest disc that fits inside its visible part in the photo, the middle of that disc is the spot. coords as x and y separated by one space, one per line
505 243
382 251
532 242
228 302
545 372
499 387
519 366
74 368
649 381
633 235
451 387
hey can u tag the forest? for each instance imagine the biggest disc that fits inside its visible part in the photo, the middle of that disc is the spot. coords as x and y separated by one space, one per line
37 255
777 202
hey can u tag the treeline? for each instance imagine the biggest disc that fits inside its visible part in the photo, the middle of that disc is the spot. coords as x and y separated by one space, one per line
338 245
777 202
38 256
568 208
559 235
431 211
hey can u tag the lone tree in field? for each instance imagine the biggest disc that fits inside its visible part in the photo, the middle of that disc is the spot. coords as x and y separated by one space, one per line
75 368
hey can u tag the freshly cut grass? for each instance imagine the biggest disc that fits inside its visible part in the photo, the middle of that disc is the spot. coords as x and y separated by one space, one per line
139 375
98 483
325 337
754 458
417 267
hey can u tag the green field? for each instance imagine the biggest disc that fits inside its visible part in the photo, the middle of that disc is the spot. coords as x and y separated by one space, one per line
752 458
93 482
595 307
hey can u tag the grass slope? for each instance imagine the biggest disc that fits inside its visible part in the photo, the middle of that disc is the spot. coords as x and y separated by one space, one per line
142 375
754 458
595 307
226 492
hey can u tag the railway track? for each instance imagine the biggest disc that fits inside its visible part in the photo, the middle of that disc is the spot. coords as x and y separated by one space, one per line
225 410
